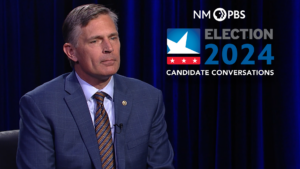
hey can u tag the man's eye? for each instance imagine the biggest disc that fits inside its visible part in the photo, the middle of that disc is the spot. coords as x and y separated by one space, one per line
114 37
93 41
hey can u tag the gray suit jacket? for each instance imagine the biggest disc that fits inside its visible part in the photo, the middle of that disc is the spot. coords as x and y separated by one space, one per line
56 130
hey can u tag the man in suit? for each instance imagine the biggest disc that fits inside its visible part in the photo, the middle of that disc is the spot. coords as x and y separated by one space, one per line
93 117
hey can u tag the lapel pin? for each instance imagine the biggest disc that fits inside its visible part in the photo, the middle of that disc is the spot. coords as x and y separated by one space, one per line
124 103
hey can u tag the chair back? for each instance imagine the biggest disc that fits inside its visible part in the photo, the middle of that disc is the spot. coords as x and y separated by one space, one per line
8 149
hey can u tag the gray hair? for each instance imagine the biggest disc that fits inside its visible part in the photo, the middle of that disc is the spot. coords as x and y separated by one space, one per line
80 17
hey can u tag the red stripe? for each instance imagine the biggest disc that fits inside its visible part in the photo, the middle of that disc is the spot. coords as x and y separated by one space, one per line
183 60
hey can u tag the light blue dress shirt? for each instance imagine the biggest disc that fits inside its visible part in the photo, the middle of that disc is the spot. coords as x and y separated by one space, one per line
90 90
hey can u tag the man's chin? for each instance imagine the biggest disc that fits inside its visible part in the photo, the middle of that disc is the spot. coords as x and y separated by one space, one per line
106 75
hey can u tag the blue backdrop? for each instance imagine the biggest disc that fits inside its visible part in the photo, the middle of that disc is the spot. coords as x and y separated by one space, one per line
213 121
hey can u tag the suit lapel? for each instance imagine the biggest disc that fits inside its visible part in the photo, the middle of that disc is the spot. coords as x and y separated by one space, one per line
122 113
77 104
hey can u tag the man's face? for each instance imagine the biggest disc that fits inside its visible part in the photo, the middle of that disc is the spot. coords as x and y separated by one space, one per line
98 49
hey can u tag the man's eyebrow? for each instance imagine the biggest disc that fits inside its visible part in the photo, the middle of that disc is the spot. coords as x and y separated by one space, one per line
113 34
100 37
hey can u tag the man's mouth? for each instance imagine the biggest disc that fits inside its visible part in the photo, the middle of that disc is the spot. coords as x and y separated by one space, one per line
108 62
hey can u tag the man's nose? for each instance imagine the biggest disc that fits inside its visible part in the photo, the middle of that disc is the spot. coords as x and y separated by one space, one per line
106 46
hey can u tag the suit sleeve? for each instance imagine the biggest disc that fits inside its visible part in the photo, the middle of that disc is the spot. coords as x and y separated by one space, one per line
35 146
160 151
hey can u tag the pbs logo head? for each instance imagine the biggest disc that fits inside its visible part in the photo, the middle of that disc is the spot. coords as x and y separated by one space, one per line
221 14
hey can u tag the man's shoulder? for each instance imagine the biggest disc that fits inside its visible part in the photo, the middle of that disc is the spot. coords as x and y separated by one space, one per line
52 86
134 84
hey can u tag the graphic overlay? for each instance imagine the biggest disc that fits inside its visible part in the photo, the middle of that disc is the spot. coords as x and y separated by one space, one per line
183 41
220 14
228 51
183 60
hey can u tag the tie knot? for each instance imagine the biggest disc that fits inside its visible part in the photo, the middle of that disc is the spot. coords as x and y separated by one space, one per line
99 96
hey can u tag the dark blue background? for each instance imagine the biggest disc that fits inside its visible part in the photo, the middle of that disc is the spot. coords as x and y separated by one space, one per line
213 122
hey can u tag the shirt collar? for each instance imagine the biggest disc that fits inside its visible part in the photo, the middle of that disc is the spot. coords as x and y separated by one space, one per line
90 90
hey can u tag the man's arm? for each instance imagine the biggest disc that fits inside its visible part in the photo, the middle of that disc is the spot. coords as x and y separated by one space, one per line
35 146
160 151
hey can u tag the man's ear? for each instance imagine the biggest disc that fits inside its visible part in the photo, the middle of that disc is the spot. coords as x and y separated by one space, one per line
69 50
